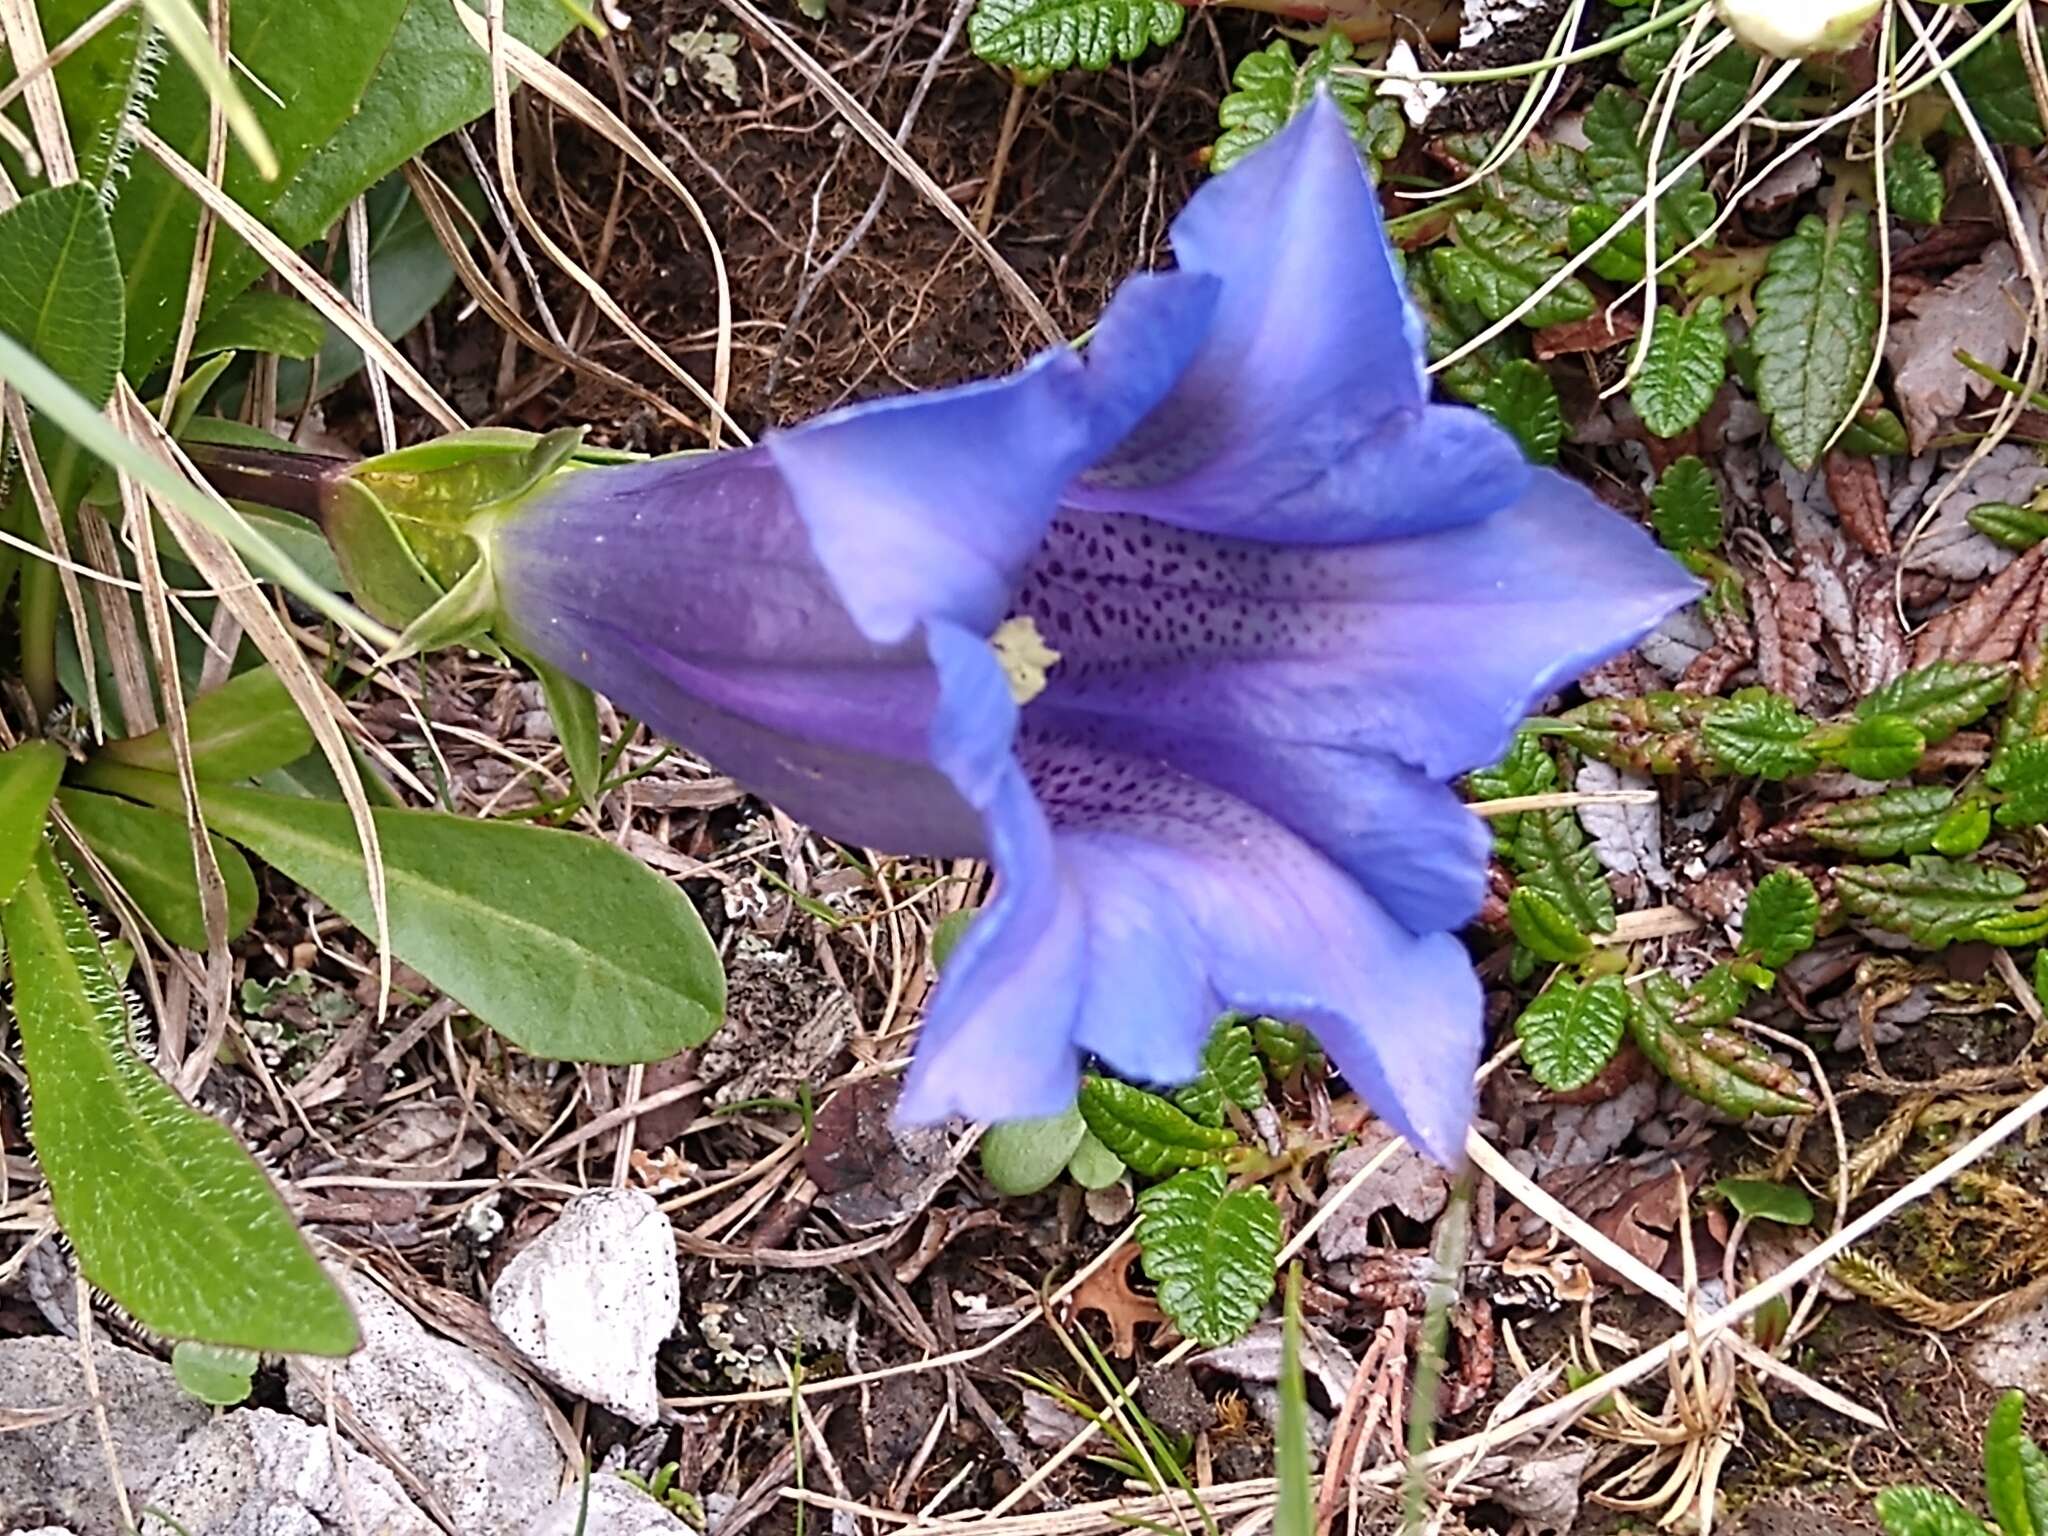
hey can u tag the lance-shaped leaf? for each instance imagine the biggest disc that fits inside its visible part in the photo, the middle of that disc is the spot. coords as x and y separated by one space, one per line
1816 330
1154 1135
1932 900
245 727
1554 859
1913 183
2006 1484
1710 1063
1878 826
28 779
1037 37
1779 921
1498 263
1683 370
1761 733
166 1212
62 296
2004 523
149 854
1212 1252
1571 1032
1941 699
1618 161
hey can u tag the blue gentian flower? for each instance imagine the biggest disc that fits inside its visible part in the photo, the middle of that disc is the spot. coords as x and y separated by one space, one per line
1290 597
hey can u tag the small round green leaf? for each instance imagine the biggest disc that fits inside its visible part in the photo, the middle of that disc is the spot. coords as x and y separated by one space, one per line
214 1373
1768 1201
1571 1032
1021 1157
1779 921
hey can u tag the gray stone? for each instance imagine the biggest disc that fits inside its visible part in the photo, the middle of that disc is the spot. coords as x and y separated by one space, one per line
465 1426
2013 1353
53 1468
589 1301
259 1473
617 1508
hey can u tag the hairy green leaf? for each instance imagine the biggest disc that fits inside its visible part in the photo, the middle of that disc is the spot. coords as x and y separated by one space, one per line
29 773
1553 858
1522 399
1021 1157
1269 87
60 286
1779 921
1767 1200
1878 826
1932 900
1816 331
103 85
149 854
1571 1032
1761 733
1498 262
1211 1251
1683 370
1941 699
1618 162
1913 183
1152 1134
1685 507
1038 37
166 1212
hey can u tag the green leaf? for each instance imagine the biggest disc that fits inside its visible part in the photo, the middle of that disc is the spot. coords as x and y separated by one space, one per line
1941 699
946 936
1294 1510
1711 1064
1038 37
1498 262
1683 370
1926 1512
1761 733
1878 826
1268 88
1685 508
1913 183
1526 770
1995 82
2005 1479
60 286
1094 1166
1779 921
1767 1200
149 854
1963 830
1539 184
166 1212
1554 859
568 947
573 708
1522 399
1548 933
1021 1157
28 779
1875 435
1714 90
1146 1131
2034 1482
261 320
1211 1252
1816 331
1618 160
103 82
188 37
213 1373
1880 747
245 727
1231 1063
2019 772
1620 260
2004 523
1286 1046
1571 1032
1932 900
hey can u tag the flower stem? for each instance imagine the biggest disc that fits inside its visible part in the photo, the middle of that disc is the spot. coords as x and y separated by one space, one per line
1453 1241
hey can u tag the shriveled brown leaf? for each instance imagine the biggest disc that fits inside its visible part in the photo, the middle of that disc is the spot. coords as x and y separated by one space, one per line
1876 651
1991 624
1786 616
1859 501
1108 1294
1979 310
1596 333
873 1172
1407 1182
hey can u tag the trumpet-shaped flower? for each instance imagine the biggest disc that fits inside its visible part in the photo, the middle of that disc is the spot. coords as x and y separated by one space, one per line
1289 597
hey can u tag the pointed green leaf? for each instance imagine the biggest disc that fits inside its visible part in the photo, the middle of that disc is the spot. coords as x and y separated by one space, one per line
60 286
1294 1509
1548 933
2004 523
1710 1063
1685 508
263 320
947 934
1779 921
1618 160
1571 1032
149 854
28 779
1152 1134
1021 1157
1941 699
1527 770
166 1212
1761 733
1932 900
1878 826
1554 859
1211 1251
1913 183
1037 37
1498 262
1683 370
1268 88
1875 435
2005 1479
1231 1074
1880 747
1816 331
1763 1199
1995 81
567 946
1539 183
573 708
1522 398
245 727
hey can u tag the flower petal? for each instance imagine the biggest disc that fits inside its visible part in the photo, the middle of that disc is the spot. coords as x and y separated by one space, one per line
1304 415
1428 649
1155 904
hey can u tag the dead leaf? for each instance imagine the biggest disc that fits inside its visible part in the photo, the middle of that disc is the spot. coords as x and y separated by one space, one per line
1256 1358
1628 839
1949 546
1979 310
1859 501
871 1171
1877 652
1408 1182
1597 333
1992 623
1108 1293
1786 617
1541 1493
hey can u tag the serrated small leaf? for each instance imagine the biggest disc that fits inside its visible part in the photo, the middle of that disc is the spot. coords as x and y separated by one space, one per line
1231 1061
2019 772
1995 81
1879 747
218 1376
1683 369
1620 260
1547 932
1710 1063
1539 183
1269 87
2003 523
1617 160
1768 1200
1021 1157
1941 699
1815 332
1685 507
1761 733
166 1212
1526 770
1522 398
1152 1134
1498 263
1714 89
1554 859
1211 1251
1038 37
1779 921
1286 1046
1571 1032
1913 183
1932 900
1877 826
2015 929
1926 1512
2005 1480
1715 999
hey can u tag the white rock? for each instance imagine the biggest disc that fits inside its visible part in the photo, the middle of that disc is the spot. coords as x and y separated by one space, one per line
259 1473
468 1428
590 1300
617 1508
2013 1353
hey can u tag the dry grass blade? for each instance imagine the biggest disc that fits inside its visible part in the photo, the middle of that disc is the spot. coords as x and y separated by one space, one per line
79 36
52 520
189 40
203 236
52 149
879 140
